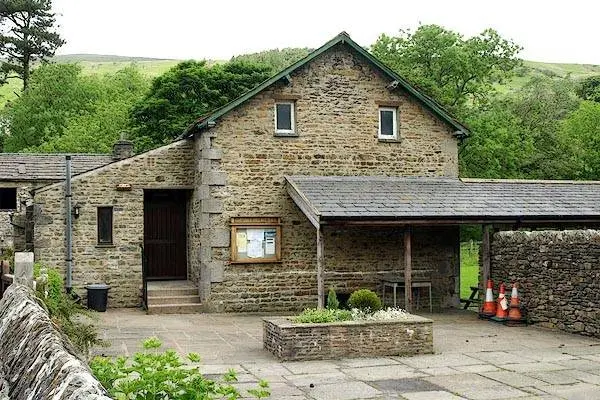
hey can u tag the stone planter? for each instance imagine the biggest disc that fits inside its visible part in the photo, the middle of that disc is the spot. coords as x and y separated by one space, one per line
290 341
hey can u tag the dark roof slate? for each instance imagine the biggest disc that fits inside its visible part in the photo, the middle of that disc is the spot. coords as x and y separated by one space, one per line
46 167
338 197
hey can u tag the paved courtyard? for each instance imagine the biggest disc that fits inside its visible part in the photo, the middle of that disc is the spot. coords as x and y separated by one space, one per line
473 359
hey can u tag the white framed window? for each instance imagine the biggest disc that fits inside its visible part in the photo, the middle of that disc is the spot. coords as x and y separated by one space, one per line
388 123
285 118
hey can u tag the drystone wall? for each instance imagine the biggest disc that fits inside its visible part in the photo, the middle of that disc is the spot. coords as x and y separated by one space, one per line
558 273
290 341
36 361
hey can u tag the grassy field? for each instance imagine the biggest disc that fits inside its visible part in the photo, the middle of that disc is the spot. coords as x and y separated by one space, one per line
469 268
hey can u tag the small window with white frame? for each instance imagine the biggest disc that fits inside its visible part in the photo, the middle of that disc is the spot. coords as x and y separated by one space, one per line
388 123
285 118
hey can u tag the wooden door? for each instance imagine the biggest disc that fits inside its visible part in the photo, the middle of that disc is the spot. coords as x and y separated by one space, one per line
165 238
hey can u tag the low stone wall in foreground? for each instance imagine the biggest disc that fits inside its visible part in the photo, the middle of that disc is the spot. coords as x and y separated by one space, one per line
558 273
290 341
36 360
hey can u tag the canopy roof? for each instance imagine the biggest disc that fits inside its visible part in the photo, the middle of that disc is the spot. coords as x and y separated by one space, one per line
405 200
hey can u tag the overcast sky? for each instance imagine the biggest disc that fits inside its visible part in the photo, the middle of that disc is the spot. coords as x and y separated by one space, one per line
551 31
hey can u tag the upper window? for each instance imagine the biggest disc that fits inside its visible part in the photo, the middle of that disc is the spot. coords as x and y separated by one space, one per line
105 225
8 198
388 123
284 118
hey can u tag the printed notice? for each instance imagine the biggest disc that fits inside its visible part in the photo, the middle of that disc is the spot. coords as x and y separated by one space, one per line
255 249
242 242
256 235
270 246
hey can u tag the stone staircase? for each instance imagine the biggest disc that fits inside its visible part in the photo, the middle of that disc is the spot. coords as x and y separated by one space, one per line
173 297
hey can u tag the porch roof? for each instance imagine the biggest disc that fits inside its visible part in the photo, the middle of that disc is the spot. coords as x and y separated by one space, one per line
407 200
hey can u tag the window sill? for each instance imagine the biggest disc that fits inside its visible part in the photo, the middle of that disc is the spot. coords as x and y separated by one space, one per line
286 134
105 246
384 140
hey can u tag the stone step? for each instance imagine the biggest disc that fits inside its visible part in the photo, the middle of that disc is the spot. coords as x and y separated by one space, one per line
187 299
175 309
186 291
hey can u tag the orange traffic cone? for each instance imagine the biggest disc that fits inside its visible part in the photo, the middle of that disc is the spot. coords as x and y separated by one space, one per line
489 306
515 306
502 308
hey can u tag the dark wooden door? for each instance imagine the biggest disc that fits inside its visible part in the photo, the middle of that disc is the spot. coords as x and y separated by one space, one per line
165 239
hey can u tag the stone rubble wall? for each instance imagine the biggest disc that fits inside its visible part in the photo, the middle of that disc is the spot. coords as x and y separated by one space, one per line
36 360
240 169
558 273
290 341
120 264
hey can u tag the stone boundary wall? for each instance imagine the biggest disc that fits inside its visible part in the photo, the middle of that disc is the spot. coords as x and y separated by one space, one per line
36 360
290 341
558 273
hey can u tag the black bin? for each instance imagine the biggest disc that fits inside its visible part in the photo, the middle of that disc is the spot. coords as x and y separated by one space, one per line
97 296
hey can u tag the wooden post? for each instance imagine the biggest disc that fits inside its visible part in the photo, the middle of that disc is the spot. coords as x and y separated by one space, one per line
408 300
485 255
320 262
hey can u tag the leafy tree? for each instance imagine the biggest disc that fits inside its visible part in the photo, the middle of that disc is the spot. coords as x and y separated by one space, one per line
66 111
186 92
26 35
589 88
582 127
276 59
453 70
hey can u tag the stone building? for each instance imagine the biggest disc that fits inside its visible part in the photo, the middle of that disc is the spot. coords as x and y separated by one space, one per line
20 174
336 172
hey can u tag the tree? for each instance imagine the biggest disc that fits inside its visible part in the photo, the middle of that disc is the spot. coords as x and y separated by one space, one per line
453 70
26 35
589 88
66 111
186 92
582 127
276 59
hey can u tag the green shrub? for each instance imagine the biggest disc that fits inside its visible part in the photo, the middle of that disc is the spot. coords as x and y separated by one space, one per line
152 374
314 315
332 301
365 300
74 320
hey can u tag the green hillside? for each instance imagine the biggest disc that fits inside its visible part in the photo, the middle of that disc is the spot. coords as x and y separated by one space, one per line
100 64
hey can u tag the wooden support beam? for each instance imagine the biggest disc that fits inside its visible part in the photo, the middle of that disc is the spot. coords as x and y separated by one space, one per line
408 300
320 265
485 255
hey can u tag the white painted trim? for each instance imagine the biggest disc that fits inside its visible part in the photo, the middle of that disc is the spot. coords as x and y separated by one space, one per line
292 117
394 123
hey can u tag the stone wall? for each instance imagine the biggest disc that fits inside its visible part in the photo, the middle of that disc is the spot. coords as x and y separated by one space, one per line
13 236
240 172
558 273
290 341
120 264
36 360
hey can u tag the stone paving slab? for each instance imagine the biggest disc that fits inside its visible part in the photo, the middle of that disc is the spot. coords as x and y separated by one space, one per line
473 359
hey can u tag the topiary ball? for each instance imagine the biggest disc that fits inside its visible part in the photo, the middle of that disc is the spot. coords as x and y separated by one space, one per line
365 300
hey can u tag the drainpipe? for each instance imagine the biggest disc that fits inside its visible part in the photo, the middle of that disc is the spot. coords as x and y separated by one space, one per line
69 230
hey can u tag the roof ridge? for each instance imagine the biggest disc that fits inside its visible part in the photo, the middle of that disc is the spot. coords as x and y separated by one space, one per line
531 181
343 37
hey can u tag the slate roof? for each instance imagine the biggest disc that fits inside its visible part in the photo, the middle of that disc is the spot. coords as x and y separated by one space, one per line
410 198
46 167
396 80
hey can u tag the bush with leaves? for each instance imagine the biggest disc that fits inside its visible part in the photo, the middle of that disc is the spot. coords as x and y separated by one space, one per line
332 300
319 316
75 321
152 374
365 300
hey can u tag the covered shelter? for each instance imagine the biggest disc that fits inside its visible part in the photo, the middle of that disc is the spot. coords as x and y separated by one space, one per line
407 202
